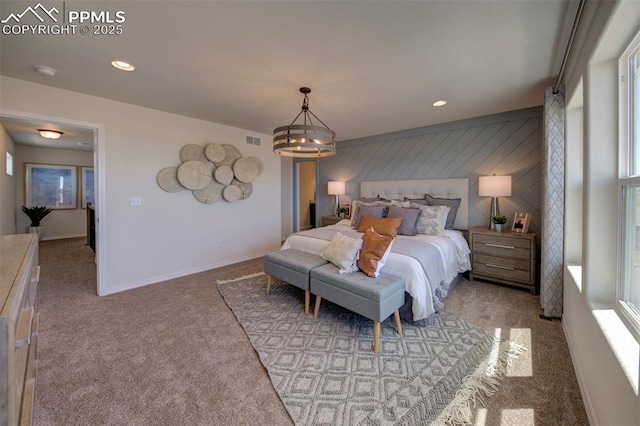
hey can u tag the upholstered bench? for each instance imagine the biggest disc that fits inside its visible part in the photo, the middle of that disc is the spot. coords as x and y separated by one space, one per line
374 298
292 266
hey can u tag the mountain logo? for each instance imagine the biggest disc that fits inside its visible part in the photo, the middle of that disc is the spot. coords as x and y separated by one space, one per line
34 11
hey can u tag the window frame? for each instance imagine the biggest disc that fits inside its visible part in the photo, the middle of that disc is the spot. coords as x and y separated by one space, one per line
629 313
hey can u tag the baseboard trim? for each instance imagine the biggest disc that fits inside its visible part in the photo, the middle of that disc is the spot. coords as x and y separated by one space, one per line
591 415
180 274
62 237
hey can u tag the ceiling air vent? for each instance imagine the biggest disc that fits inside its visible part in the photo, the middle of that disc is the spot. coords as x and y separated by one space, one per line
252 140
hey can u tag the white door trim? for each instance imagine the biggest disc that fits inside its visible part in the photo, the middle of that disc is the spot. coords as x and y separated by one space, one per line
99 163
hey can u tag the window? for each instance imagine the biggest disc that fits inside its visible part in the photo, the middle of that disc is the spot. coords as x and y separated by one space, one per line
628 292
9 164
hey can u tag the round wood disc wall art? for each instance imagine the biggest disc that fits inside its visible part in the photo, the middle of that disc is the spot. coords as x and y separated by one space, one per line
258 163
223 174
192 152
214 172
231 154
210 193
231 193
215 153
168 179
245 170
246 188
194 174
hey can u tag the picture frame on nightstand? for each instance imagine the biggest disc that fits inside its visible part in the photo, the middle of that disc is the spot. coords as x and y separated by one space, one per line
346 209
520 222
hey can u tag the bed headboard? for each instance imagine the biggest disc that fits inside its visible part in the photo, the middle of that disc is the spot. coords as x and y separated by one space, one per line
441 188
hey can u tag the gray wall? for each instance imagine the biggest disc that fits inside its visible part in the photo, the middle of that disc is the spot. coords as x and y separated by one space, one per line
504 144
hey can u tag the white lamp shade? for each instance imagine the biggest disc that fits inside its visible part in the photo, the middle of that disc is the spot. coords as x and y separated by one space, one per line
494 186
336 188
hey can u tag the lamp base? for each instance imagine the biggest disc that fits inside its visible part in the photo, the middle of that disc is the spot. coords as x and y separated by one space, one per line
495 210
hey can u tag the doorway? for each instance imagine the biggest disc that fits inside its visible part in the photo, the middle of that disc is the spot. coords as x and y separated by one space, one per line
304 194
82 143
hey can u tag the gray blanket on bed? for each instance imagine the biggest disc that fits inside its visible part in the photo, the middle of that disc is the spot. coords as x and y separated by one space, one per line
424 252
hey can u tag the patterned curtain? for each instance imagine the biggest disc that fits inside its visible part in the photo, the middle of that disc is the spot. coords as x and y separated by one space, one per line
552 230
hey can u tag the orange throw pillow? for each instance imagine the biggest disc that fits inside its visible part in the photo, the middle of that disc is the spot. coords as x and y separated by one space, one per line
382 225
374 252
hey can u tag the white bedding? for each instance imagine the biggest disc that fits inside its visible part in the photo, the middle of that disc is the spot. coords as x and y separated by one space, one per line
452 246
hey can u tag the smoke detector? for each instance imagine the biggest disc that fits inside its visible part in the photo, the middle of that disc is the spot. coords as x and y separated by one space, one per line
48 71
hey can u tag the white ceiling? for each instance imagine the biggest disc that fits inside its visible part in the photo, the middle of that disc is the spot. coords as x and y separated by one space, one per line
373 67
25 132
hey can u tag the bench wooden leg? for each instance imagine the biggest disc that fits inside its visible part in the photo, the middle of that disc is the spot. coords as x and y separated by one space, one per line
376 337
396 315
268 283
317 309
307 296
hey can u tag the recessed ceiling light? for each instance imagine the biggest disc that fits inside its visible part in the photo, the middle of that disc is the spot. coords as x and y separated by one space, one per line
48 71
50 134
439 103
122 65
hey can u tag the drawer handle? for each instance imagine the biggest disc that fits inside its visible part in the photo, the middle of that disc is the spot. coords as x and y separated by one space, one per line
23 330
35 274
500 246
491 265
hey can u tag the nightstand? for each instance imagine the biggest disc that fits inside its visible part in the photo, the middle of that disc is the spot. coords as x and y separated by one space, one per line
504 257
331 220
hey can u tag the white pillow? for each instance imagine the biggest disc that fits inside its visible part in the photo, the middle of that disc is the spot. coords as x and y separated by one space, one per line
432 219
343 252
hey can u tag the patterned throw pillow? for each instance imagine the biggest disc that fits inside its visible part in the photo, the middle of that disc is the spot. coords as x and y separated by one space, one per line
432 219
374 253
452 203
385 226
409 217
342 251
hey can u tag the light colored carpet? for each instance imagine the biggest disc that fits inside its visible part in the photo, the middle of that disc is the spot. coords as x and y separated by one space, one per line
326 373
173 353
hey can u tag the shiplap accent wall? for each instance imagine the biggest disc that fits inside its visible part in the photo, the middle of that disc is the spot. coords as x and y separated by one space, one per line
504 144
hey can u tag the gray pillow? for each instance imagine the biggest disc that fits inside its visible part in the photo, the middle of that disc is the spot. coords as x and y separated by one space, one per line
355 207
373 211
422 200
409 218
370 200
452 203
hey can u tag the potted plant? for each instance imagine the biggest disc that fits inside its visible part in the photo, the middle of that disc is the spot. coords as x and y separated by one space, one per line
499 220
342 211
36 214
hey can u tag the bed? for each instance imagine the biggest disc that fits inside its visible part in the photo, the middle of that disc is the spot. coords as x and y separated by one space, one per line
429 264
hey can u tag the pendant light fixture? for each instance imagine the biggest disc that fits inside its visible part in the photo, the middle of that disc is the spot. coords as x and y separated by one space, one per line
304 140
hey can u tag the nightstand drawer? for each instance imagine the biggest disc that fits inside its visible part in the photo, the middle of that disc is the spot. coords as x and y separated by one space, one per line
510 269
502 246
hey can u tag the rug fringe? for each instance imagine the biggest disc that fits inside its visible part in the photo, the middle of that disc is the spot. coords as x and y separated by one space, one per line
483 382
244 277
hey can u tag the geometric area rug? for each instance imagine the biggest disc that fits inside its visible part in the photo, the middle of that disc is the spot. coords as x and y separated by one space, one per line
325 371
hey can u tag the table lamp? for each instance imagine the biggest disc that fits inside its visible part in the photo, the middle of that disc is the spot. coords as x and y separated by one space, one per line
336 188
494 187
